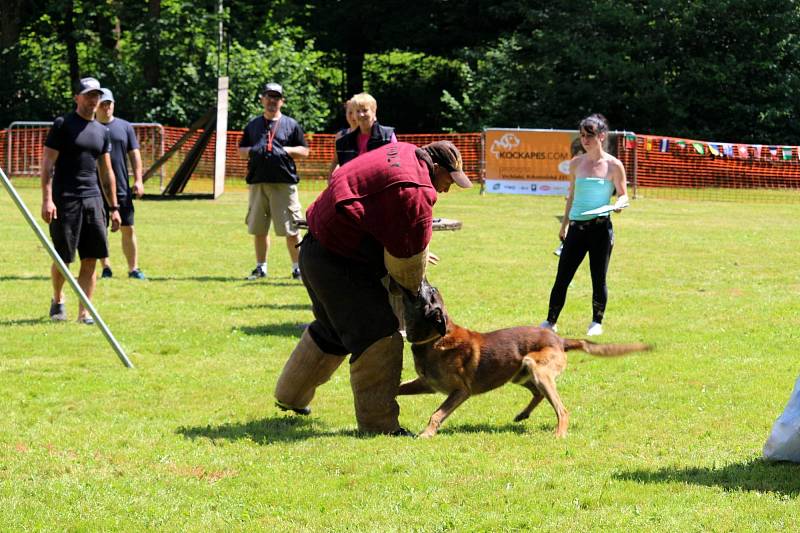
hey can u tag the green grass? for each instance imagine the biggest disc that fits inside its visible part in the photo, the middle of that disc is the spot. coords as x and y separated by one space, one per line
190 440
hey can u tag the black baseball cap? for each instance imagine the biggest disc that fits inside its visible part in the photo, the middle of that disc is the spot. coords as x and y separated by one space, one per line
87 85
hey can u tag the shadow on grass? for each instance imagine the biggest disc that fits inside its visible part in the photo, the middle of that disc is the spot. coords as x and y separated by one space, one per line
286 329
757 475
24 322
24 278
511 427
281 428
289 307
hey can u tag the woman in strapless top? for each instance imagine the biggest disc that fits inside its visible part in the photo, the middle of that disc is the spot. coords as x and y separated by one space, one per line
596 176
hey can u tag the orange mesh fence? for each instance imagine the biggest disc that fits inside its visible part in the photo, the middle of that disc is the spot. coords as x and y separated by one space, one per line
657 166
670 167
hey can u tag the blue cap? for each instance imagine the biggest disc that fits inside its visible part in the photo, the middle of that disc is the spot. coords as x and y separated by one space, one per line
107 95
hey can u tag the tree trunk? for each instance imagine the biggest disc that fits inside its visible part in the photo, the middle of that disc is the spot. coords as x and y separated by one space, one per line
72 46
354 72
10 22
152 70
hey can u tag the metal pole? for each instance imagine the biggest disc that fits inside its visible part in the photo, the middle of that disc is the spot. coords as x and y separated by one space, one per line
64 270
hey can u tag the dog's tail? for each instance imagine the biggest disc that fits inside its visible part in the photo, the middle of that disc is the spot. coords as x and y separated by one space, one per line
604 350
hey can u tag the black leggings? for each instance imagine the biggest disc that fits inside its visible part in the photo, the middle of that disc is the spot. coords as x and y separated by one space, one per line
596 237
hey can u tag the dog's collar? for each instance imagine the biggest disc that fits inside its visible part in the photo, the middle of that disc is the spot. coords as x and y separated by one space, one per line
430 339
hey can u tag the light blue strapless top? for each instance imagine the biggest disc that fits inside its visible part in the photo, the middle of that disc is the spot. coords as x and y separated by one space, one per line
590 193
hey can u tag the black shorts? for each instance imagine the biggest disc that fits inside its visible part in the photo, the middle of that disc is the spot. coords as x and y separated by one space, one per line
80 225
125 211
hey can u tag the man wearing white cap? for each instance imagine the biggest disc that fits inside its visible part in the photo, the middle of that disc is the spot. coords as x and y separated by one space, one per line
76 147
124 145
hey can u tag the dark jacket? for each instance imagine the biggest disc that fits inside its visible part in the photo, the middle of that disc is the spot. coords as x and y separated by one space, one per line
347 145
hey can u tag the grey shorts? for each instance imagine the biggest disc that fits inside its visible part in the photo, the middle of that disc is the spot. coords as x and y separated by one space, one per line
278 203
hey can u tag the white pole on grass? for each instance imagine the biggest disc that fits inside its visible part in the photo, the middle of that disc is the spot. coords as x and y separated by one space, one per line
64 270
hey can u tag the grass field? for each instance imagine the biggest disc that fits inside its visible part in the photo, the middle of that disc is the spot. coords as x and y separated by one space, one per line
190 441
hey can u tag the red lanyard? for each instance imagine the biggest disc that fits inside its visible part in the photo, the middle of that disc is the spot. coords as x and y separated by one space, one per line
271 134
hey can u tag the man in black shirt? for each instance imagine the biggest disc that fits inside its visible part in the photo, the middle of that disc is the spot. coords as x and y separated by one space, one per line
271 142
71 198
124 145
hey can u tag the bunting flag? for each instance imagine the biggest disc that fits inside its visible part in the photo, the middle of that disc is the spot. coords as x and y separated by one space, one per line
698 147
727 149
648 144
630 141
773 151
713 149
757 151
744 153
681 144
787 153
664 145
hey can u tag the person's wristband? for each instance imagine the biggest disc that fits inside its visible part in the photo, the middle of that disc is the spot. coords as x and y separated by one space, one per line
113 208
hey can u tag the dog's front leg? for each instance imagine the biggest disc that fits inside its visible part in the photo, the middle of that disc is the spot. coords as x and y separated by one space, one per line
415 386
456 398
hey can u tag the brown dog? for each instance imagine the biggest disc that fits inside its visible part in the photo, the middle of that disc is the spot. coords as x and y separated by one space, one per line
460 363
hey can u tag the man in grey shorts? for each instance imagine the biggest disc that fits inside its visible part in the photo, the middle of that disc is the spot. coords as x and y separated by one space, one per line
72 204
270 142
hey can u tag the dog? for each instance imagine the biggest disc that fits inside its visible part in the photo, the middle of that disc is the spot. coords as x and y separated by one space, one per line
461 363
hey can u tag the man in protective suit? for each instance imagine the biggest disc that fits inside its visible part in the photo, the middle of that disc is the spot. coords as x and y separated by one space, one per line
375 217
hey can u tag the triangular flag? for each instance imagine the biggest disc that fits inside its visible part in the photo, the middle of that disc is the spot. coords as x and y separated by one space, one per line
744 153
773 151
664 145
727 149
787 153
699 148
648 144
713 149
757 150
681 144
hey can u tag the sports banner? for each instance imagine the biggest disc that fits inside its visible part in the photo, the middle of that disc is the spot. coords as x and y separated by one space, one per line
528 161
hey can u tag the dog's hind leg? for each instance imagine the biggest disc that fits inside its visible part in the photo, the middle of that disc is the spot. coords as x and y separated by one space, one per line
415 386
456 398
544 380
537 397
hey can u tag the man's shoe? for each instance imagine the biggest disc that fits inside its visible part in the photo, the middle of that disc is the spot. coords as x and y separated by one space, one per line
58 312
257 273
107 273
305 411
88 320
136 274
595 328
548 325
296 274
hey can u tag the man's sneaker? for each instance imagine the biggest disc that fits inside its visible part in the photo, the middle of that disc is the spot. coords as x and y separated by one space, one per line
107 273
88 320
296 274
58 312
257 273
548 325
136 274
305 411
595 328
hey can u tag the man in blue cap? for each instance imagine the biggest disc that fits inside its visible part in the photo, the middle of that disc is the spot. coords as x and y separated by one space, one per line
124 145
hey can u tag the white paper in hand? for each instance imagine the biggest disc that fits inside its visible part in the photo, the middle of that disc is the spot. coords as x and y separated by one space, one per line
602 210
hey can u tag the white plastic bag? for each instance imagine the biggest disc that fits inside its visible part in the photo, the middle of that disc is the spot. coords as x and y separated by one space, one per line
783 443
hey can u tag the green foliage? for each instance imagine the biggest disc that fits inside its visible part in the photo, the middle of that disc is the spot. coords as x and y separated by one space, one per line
409 87
190 440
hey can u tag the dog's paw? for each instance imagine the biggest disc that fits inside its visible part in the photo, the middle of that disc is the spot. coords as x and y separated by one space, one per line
520 417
